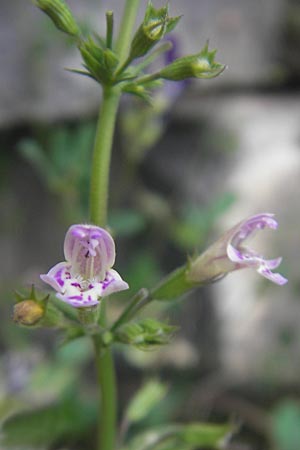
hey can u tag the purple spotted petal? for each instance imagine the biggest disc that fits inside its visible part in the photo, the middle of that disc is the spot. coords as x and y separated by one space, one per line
57 276
81 298
113 283
90 250
81 295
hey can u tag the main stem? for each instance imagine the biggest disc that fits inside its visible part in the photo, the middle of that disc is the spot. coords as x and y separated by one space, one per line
102 156
98 216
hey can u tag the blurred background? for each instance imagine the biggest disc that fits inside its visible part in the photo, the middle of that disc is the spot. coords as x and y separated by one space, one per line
207 154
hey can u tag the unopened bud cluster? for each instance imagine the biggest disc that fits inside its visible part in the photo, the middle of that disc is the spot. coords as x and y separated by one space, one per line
101 62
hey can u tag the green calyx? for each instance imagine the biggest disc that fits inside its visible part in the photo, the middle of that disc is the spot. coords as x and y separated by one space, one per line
61 15
155 25
99 62
200 65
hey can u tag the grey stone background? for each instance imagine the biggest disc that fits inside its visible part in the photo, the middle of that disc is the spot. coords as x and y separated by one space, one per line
256 101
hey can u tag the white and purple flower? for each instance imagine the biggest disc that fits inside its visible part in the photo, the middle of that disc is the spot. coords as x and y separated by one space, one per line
229 253
86 275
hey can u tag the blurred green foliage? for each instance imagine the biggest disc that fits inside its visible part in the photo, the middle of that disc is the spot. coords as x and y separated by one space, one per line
61 157
285 425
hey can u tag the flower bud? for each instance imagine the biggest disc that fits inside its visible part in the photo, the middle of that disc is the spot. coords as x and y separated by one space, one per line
60 14
155 25
28 312
100 63
146 334
201 65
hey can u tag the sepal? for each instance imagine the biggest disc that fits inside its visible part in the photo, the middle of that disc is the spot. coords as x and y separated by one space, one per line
61 16
146 334
200 65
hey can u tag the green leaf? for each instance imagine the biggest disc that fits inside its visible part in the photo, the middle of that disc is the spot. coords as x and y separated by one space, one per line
183 437
204 434
34 153
195 224
145 399
81 72
285 426
44 426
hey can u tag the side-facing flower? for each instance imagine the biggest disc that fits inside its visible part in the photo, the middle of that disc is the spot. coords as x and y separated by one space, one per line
229 253
86 275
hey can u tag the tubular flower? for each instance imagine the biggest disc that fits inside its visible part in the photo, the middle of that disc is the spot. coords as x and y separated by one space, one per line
86 275
229 253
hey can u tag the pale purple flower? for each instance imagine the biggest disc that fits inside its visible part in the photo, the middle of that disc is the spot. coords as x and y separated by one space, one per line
229 253
86 275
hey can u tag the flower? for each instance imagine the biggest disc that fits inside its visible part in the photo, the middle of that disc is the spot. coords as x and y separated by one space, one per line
86 275
228 253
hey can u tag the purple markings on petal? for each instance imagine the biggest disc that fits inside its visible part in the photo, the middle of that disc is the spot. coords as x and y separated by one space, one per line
113 283
273 263
275 277
57 276
76 297
249 226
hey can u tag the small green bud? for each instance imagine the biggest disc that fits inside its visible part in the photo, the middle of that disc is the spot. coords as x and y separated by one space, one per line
101 63
31 311
155 25
28 312
145 334
201 65
60 14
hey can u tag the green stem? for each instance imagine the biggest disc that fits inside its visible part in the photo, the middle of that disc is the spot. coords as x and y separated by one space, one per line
126 27
107 383
98 216
127 313
102 156
148 78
